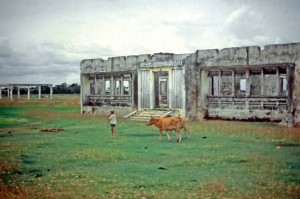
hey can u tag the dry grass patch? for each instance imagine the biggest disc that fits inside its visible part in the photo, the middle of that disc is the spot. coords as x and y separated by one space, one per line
213 190
21 191
256 129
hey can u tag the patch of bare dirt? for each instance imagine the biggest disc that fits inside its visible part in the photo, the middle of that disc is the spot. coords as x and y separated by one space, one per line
52 130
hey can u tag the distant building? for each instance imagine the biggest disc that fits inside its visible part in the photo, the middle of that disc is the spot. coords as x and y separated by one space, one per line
244 83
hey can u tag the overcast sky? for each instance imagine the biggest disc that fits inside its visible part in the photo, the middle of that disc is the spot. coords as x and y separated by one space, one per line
43 41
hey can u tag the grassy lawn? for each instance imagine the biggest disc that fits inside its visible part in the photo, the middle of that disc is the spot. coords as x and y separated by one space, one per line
223 159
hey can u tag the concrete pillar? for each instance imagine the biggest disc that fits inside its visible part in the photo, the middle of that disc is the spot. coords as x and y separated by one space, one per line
0 92
112 85
51 91
290 104
11 92
122 86
40 90
131 87
8 92
220 82
28 93
18 92
95 86
262 81
233 81
247 82
219 87
278 90
247 87
103 86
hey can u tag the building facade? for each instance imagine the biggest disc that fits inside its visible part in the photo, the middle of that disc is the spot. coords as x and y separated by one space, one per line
243 83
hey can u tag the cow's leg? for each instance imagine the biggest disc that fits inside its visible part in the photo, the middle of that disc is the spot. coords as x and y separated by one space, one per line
178 135
160 134
169 136
186 131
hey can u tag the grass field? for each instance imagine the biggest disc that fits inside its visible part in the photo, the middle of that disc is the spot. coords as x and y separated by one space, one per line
223 159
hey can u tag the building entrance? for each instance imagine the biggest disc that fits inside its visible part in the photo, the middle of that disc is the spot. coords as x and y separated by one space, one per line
161 89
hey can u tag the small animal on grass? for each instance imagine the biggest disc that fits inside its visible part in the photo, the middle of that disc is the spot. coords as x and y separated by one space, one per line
168 124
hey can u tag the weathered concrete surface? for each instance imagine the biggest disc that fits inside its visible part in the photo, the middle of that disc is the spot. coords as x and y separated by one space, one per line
240 57
132 62
197 82
105 110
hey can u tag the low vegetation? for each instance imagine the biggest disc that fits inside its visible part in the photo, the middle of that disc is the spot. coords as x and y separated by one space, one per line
49 150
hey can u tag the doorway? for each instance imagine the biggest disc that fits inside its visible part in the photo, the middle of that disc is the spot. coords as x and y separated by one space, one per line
161 89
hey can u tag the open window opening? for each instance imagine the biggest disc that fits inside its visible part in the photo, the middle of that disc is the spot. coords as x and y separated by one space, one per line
270 82
254 87
240 82
92 85
110 89
243 85
126 87
107 87
255 81
284 85
226 83
282 81
214 82
117 87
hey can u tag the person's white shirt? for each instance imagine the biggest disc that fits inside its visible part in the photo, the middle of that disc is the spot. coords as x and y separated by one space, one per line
113 119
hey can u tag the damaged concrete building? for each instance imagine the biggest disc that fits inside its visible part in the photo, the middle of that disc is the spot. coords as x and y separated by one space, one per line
243 83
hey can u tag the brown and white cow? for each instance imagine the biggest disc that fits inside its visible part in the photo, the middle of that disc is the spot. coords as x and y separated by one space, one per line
169 124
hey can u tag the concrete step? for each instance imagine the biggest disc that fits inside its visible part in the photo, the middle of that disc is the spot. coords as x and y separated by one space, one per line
139 119
149 115
145 115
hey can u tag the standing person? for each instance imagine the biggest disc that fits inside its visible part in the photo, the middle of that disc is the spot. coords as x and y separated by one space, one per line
113 122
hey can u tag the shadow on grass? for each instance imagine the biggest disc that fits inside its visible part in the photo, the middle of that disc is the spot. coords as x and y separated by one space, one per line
141 135
280 144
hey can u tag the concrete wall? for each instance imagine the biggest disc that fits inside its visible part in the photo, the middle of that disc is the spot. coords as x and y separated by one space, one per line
118 64
125 63
196 67
120 111
238 57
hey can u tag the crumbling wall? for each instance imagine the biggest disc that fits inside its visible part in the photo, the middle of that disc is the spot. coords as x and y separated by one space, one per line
197 66
296 91
128 63
113 64
241 57
94 73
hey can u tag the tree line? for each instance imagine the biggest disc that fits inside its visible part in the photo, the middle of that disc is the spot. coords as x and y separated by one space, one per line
63 88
